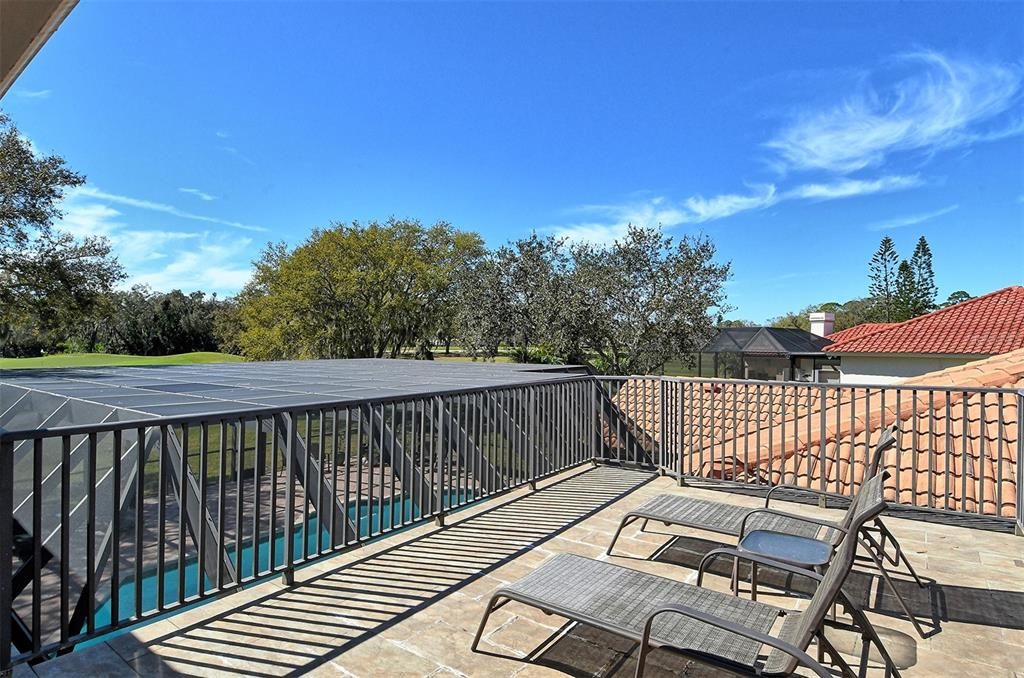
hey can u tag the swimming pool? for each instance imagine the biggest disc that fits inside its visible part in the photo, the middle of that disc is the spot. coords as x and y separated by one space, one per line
305 540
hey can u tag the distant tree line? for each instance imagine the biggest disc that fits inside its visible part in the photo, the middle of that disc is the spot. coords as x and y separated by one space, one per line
898 290
380 289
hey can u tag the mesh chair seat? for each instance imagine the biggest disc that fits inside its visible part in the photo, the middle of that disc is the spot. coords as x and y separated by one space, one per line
724 518
619 599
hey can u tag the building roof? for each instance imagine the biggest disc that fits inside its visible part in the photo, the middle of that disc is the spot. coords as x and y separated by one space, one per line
24 28
986 325
37 398
857 331
770 432
777 341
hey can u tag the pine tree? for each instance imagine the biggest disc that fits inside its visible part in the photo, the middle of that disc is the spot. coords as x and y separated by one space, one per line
907 301
882 273
924 277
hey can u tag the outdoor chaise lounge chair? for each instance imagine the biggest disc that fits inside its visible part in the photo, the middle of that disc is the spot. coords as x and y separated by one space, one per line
739 521
717 628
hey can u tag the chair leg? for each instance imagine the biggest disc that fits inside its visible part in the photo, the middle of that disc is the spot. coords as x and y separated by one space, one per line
825 647
641 658
491 607
892 586
625 521
901 556
868 629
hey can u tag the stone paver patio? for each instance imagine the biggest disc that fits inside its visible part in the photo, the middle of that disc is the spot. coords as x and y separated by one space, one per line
409 605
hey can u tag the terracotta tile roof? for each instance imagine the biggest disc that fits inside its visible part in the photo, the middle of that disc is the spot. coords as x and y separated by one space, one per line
771 433
986 325
857 331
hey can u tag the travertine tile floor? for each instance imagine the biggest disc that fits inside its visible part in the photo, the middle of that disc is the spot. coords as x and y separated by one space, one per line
409 605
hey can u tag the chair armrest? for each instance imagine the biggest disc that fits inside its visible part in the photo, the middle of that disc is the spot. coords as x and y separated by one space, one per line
736 554
792 516
740 630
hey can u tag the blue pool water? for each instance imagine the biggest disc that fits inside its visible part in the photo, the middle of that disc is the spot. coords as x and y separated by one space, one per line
370 519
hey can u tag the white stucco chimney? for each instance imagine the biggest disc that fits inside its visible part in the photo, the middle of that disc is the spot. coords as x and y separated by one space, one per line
822 323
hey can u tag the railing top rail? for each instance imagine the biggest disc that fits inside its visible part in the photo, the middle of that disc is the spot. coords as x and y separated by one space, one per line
268 410
812 384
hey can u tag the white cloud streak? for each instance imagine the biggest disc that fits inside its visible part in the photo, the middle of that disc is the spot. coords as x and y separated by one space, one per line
33 93
911 220
934 102
202 195
127 201
615 219
162 259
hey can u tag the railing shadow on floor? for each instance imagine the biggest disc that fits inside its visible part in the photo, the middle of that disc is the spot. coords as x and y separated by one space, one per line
297 629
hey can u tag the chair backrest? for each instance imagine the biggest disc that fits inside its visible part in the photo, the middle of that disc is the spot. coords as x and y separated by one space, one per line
886 441
870 503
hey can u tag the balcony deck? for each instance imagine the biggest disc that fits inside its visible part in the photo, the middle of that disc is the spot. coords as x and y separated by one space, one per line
408 605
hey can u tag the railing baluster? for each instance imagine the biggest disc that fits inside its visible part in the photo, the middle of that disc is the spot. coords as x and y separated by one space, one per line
182 484
115 529
161 518
140 527
346 537
275 454
37 547
221 501
1000 438
331 540
7 552
258 465
289 499
307 439
239 428
982 442
321 479
90 535
204 470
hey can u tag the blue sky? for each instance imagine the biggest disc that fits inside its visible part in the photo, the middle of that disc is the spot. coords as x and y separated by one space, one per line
795 136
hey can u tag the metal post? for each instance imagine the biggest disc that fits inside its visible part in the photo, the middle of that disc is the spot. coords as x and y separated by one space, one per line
6 551
1019 529
288 573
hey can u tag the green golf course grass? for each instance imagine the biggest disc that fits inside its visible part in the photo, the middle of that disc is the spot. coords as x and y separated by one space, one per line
107 359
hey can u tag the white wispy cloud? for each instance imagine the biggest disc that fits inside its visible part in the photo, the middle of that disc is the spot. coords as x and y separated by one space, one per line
32 93
728 204
609 222
163 208
910 219
202 195
221 134
849 188
231 150
163 259
210 265
924 101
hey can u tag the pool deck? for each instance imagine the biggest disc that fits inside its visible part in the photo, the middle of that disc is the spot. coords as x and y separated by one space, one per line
408 605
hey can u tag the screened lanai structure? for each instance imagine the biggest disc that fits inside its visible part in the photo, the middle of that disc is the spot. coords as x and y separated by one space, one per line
249 464
771 354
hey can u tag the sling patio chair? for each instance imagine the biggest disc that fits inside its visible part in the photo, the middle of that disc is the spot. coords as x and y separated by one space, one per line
740 521
717 628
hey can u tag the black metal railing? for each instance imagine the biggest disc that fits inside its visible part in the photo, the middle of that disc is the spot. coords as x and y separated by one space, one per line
958 451
111 524
114 523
